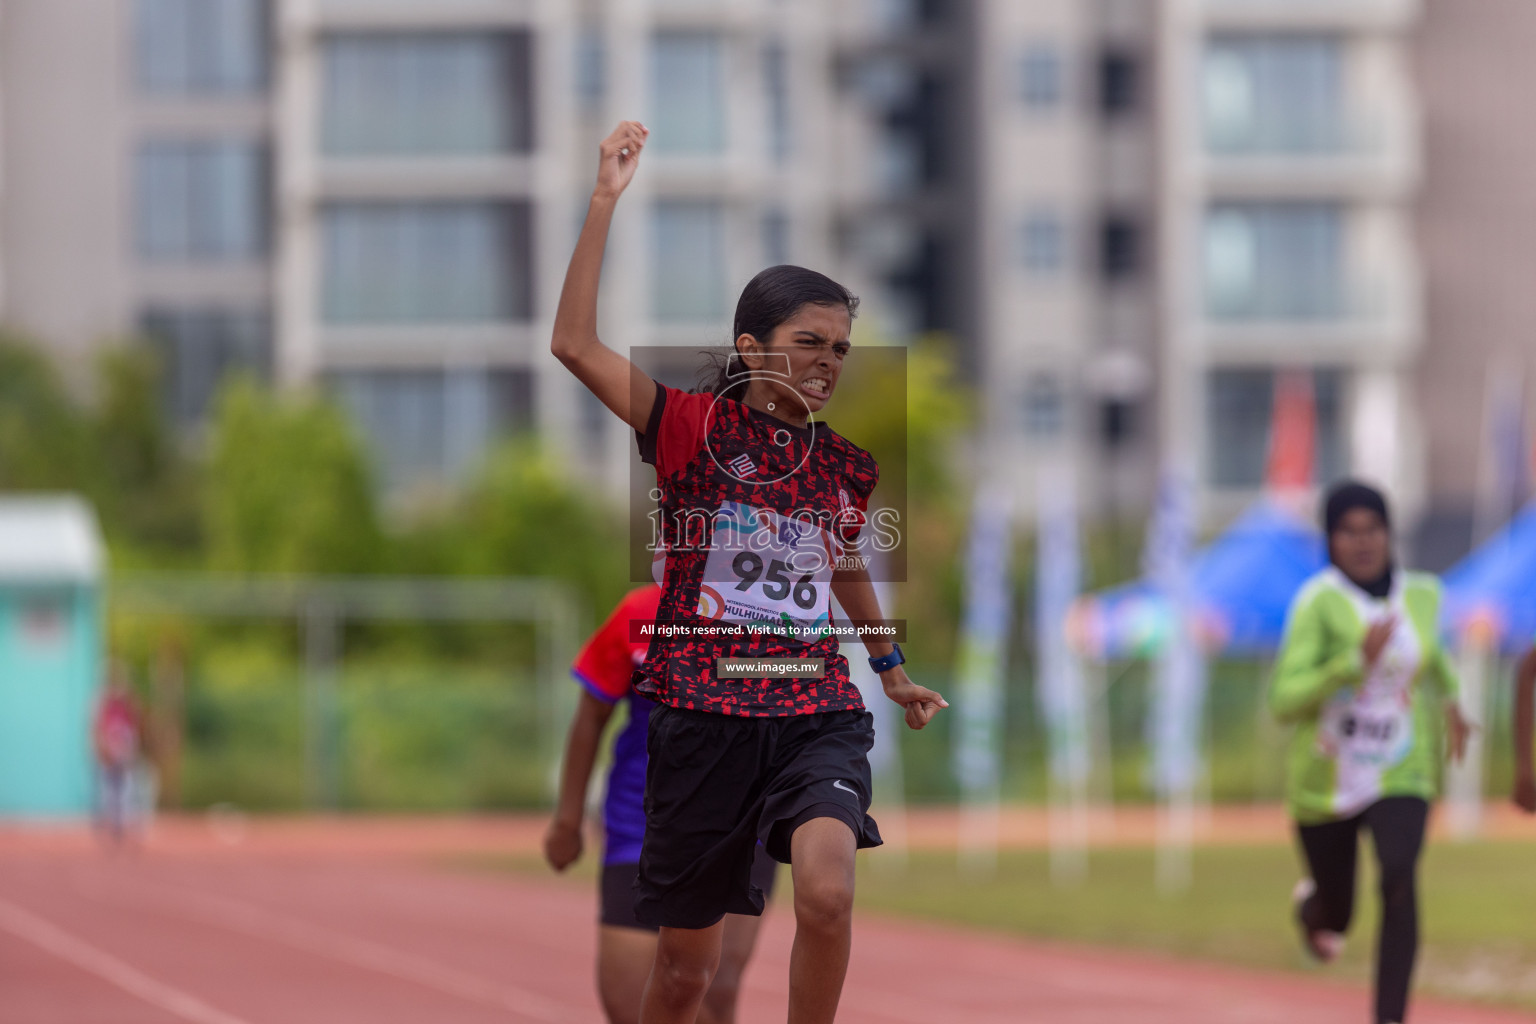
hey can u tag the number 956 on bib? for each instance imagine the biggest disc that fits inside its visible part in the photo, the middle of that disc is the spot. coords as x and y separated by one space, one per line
770 569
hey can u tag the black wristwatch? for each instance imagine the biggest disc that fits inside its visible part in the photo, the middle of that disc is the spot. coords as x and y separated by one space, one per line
888 661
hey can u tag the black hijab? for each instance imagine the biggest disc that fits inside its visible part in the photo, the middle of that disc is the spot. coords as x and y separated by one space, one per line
1345 498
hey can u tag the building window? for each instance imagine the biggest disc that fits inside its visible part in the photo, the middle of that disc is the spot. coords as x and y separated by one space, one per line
591 68
1273 93
688 93
688 264
202 47
434 424
202 199
776 237
1117 422
1120 248
1274 261
1240 413
897 15
199 348
1044 243
1041 77
1044 406
427 262
1119 83
776 90
898 160
401 94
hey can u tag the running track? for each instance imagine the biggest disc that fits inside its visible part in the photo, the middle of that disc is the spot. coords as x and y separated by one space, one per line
306 932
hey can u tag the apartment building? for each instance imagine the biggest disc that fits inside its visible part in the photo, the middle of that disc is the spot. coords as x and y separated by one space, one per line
904 131
134 157
1130 215
1474 220
1289 164
1182 201
379 196
1068 179
417 196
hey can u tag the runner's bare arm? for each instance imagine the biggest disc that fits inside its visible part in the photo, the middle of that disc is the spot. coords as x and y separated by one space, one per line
1525 711
562 841
856 594
617 382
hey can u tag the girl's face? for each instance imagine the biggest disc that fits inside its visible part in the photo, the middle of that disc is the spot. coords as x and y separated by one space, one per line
1361 545
805 354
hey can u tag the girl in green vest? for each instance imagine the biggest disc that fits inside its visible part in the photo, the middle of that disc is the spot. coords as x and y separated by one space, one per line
1370 691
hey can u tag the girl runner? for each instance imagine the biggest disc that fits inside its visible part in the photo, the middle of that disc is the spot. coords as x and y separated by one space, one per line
625 947
1362 676
757 501
117 733
1525 712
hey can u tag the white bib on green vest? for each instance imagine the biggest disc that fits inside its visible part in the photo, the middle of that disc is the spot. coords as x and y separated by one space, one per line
1368 729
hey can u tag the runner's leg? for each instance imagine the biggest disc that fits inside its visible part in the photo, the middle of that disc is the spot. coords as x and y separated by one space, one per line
1397 831
624 958
822 852
686 959
1331 850
115 796
735 950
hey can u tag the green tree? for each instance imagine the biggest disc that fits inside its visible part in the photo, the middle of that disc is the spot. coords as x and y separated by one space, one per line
523 516
287 487
149 492
45 441
911 413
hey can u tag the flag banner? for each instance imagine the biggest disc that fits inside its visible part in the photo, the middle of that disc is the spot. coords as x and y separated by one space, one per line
1292 436
1059 684
1508 442
1503 458
1178 677
979 680
885 755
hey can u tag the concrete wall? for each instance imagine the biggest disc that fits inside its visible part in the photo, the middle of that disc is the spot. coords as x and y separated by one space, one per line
1477 229
65 235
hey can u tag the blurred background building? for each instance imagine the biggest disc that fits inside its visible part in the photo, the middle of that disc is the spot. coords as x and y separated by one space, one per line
1132 216
1290 164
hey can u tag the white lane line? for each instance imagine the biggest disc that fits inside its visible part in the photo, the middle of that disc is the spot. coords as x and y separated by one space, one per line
235 915
48 936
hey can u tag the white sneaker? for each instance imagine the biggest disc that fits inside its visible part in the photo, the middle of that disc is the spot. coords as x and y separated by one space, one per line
1324 946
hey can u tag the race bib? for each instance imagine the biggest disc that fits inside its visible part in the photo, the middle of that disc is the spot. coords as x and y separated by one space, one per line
1368 734
769 569
1371 728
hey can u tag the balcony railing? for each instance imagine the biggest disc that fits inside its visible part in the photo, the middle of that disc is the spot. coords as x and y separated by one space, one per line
1321 138
1353 319
1376 154
1382 14
1326 302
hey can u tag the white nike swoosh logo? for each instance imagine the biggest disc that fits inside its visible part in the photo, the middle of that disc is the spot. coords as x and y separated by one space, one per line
838 784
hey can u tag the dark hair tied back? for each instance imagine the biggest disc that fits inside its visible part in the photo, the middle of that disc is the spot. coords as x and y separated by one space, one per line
1349 495
768 300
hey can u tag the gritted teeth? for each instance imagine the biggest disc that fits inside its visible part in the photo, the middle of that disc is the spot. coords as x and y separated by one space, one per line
816 385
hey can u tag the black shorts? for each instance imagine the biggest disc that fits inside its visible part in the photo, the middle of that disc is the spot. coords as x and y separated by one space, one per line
616 890
718 785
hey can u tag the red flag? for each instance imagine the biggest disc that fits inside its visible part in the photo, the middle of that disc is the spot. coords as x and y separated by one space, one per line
1292 433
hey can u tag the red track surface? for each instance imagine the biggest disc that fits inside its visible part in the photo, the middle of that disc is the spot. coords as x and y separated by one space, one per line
295 930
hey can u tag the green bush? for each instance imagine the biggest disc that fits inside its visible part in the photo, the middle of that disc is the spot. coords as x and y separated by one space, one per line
416 736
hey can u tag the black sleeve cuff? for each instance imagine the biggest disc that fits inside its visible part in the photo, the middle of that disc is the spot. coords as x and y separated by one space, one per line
647 440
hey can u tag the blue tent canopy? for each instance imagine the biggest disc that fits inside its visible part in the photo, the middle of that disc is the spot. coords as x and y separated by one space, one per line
1243 583
1494 588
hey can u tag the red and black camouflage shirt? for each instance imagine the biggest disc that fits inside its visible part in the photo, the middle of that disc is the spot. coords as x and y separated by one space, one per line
754 515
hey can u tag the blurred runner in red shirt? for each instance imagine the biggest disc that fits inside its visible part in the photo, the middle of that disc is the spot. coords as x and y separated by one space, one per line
116 735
